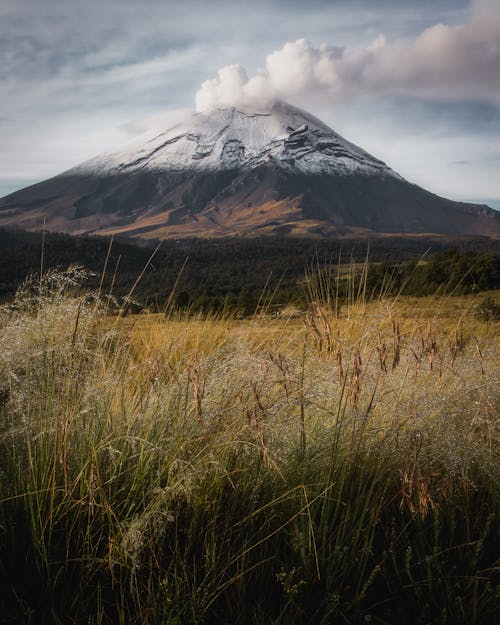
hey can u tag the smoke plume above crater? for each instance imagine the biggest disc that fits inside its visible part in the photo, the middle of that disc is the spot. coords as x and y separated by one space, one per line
443 62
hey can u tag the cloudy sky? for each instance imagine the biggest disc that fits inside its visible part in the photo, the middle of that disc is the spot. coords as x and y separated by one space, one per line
416 84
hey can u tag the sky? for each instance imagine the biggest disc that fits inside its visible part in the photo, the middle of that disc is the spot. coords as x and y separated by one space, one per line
415 84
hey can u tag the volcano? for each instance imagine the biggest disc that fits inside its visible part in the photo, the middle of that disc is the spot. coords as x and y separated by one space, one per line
233 173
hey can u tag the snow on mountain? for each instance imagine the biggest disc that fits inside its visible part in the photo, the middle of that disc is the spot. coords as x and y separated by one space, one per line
233 173
231 139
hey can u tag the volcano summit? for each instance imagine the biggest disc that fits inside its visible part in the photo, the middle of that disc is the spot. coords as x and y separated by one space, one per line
234 173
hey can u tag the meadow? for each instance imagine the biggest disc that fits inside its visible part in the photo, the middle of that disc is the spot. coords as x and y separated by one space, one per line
337 464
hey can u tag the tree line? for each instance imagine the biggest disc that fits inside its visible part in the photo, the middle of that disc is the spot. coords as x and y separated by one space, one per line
235 273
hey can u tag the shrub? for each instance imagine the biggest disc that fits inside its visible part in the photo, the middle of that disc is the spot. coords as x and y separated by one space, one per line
488 310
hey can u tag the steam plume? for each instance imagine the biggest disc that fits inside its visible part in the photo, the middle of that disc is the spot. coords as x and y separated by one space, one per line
447 62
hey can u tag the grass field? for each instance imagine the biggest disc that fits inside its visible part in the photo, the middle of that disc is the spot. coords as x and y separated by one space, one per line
320 467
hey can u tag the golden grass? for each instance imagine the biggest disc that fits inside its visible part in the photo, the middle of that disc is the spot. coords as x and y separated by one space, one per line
169 470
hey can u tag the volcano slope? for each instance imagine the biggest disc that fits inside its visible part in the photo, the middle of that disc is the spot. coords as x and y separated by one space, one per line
233 173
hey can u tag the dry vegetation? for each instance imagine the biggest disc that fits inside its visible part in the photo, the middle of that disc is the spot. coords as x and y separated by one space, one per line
326 468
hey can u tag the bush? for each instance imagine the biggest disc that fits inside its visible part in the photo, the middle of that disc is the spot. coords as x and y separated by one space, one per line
488 310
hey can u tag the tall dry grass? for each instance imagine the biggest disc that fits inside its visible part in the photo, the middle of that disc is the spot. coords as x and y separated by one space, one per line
339 467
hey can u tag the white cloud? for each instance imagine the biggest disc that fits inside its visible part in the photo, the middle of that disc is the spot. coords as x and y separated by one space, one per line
443 62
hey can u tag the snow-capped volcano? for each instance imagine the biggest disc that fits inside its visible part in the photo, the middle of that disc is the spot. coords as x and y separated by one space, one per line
234 173
229 139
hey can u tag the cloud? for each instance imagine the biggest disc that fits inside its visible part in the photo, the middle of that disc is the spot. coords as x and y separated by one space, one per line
443 62
155 123
296 68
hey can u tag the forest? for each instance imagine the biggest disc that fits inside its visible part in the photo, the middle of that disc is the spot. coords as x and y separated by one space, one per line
233 274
